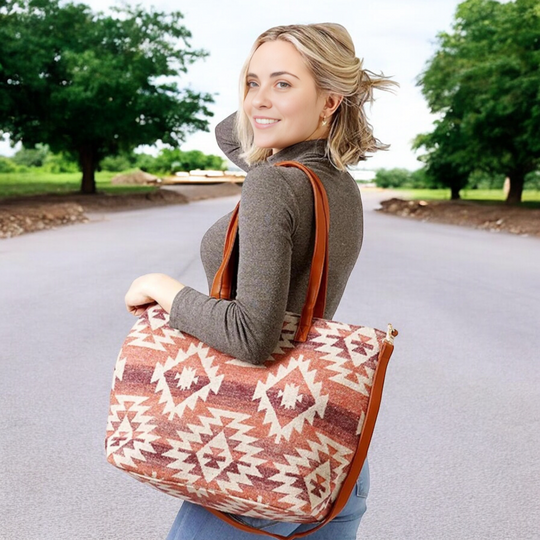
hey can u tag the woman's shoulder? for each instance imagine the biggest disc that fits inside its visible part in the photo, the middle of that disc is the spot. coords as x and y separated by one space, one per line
272 174
270 179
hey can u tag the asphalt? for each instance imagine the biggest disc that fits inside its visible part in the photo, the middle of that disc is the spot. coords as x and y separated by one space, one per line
455 453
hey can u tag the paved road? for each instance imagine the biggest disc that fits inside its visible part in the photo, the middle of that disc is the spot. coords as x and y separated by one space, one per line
456 450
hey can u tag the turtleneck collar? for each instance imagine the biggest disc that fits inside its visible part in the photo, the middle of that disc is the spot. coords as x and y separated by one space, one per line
293 152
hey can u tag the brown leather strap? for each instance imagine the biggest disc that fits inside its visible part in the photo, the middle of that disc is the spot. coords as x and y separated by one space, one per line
315 302
221 286
358 460
314 306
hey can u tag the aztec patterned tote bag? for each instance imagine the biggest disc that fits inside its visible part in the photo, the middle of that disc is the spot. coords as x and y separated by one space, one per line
283 441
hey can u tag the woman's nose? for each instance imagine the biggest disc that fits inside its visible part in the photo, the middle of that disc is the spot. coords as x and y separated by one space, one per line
261 98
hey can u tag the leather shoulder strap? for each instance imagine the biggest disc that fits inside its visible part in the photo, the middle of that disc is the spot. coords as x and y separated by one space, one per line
315 302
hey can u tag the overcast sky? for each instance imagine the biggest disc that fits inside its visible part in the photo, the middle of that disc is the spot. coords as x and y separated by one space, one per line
395 37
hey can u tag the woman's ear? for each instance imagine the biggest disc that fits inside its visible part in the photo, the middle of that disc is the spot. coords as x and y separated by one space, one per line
333 101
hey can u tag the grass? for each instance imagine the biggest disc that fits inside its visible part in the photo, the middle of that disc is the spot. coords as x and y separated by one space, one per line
530 198
37 183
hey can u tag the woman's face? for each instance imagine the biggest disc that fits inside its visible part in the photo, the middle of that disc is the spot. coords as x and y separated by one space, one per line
281 90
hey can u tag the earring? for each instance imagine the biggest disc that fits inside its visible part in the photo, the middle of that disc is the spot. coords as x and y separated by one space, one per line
324 121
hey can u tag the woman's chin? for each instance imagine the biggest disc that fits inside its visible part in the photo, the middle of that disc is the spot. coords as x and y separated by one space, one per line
264 144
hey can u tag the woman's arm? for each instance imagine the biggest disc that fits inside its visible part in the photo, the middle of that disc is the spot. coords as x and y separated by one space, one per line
151 289
249 326
229 144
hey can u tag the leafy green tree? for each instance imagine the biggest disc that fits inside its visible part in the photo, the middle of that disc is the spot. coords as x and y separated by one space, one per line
448 162
171 161
95 85
167 162
392 178
145 162
485 77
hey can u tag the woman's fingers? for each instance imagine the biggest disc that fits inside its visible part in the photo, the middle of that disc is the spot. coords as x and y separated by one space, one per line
140 309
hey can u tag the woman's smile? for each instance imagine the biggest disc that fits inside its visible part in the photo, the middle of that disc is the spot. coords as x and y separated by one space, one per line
264 123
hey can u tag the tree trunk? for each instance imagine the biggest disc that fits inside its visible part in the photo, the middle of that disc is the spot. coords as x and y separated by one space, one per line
454 193
517 179
88 161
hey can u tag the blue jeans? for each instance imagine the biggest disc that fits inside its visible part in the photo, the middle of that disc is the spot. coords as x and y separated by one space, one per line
194 522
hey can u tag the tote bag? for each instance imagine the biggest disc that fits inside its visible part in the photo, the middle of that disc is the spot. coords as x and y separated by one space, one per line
285 440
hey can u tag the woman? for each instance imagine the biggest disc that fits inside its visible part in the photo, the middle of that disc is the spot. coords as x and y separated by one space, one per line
302 93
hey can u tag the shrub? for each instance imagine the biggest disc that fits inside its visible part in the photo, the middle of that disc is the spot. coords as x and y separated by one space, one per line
532 180
31 157
393 178
60 163
116 163
7 165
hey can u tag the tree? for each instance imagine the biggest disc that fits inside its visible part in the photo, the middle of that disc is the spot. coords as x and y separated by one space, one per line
448 160
175 160
167 162
485 78
392 178
92 85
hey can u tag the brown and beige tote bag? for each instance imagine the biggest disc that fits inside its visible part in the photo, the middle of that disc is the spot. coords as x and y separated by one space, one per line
282 441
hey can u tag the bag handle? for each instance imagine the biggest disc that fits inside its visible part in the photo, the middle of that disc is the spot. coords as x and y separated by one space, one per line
314 306
315 302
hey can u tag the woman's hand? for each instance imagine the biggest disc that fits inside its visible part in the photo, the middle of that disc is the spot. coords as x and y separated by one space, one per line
151 289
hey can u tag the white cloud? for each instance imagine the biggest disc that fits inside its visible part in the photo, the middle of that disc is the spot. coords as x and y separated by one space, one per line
392 36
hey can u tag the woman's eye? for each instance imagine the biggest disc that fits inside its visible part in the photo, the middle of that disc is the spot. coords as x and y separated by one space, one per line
250 83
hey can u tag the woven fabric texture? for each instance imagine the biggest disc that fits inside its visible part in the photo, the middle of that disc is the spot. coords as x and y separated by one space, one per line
273 441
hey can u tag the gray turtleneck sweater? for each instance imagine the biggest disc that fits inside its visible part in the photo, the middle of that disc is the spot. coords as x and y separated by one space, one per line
276 233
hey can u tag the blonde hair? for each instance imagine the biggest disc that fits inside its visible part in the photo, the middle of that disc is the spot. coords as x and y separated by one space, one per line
328 50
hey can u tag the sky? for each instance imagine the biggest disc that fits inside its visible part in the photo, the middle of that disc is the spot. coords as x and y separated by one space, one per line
393 37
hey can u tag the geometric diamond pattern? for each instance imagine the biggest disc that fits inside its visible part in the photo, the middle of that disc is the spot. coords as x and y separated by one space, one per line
275 441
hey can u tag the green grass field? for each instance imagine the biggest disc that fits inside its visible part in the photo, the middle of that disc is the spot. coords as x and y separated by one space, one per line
35 183
20 184
530 198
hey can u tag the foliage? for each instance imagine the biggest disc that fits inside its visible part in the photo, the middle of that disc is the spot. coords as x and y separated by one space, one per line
60 163
482 180
402 178
392 178
7 165
532 181
93 85
483 81
171 161
31 157
167 162
146 162
448 162
118 163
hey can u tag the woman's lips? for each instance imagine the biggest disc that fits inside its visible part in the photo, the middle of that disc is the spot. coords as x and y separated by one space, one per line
265 125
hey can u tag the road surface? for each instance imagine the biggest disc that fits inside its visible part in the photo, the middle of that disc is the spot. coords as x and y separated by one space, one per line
455 453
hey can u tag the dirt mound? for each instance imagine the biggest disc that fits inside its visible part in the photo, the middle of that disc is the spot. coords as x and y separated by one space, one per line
16 221
20 215
495 217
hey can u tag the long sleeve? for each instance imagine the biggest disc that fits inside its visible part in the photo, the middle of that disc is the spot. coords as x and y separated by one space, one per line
249 326
229 144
